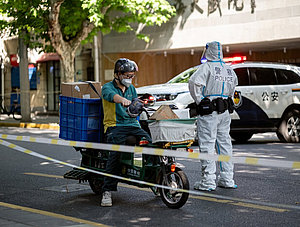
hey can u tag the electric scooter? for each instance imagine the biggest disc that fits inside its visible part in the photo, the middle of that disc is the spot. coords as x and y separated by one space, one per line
158 170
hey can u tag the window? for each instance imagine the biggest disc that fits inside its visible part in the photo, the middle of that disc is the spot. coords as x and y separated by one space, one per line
287 76
262 76
243 76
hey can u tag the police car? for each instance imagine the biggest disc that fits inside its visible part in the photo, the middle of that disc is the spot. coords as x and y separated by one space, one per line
267 99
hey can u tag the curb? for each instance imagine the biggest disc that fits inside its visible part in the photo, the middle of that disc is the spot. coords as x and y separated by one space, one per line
52 126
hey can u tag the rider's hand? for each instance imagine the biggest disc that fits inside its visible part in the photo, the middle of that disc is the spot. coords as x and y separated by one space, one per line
125 102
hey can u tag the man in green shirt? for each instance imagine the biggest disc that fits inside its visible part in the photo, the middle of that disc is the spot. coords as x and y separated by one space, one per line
117 95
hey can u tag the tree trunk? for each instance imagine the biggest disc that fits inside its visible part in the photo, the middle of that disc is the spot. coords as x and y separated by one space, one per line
66 50
24 82
67 62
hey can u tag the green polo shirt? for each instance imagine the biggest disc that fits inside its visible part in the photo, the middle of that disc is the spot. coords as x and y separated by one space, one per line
114 113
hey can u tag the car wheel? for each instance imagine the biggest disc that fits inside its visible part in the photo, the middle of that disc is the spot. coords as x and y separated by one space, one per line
289 128
241 137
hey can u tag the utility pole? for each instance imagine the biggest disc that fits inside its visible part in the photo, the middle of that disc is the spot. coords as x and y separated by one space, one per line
2 82
98 57
24 81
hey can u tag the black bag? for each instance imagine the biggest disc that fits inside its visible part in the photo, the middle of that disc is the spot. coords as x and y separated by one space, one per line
205 107
220 104
230 105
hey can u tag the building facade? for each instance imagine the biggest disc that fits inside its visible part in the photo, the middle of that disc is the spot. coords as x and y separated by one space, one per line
261 30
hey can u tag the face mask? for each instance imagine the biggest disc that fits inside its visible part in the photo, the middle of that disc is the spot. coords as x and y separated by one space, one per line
126 82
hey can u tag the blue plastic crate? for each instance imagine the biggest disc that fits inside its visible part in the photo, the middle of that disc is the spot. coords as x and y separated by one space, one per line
67 120
87 107
71 133
63 132
87 135
87 123
66 133
63 120
66 105
81 119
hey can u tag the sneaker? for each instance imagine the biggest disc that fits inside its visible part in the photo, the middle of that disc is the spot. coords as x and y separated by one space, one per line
198 186
106 199
228 187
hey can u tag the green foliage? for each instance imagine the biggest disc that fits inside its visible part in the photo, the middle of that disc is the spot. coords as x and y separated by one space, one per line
71 18
32 16
29 16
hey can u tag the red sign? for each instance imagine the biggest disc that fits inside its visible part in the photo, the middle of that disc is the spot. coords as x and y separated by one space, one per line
14 60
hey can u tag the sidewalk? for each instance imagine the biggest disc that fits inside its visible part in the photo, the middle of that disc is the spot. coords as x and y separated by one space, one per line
42 121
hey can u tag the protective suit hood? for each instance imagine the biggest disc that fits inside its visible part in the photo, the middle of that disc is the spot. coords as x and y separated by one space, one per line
213 51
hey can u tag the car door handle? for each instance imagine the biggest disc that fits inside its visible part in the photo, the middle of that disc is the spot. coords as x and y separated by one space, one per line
284 92
249 92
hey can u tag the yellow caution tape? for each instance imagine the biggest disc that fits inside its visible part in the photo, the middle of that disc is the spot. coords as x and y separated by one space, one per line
159 151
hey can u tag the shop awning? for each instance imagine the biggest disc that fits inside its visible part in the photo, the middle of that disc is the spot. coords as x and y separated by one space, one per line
48 57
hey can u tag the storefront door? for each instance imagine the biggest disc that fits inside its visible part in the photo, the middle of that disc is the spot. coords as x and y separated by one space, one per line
53 85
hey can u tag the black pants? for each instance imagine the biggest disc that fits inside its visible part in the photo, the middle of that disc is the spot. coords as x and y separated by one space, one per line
118 135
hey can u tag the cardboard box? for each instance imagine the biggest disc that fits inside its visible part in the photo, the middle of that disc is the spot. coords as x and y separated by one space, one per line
80 90
164 112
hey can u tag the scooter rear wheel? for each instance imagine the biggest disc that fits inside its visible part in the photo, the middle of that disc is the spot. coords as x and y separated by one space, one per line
96 185
176 180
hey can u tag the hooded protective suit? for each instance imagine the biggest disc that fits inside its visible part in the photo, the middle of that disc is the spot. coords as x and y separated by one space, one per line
214 79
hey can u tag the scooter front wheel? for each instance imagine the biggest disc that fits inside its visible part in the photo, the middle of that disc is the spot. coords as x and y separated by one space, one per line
172 197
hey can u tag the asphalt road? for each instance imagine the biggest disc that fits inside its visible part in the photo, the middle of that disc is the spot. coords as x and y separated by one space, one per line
265 196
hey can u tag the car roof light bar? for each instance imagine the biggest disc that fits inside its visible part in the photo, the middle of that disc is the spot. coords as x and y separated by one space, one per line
235 59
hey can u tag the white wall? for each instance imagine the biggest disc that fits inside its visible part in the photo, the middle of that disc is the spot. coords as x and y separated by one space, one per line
273 21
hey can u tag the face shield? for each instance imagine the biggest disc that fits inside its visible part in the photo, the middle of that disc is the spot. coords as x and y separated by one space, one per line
203 59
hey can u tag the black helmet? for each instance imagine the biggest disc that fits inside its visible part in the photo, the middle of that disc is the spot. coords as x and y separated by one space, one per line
124 65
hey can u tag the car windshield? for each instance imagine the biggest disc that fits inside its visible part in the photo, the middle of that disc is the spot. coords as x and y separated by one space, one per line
297 69
183 77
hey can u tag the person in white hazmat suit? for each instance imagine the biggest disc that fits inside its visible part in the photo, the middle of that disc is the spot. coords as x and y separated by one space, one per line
212 87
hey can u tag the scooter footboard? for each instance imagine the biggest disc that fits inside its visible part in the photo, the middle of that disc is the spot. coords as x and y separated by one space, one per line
77 174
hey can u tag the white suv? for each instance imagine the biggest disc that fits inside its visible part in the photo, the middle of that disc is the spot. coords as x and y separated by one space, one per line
269 100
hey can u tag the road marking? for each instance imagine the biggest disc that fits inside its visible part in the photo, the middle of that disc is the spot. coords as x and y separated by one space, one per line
44 175
237 203
255 206
50 214
228 201
68 188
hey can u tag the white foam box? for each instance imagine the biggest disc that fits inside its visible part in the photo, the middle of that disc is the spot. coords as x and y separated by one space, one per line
181 113
173 130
